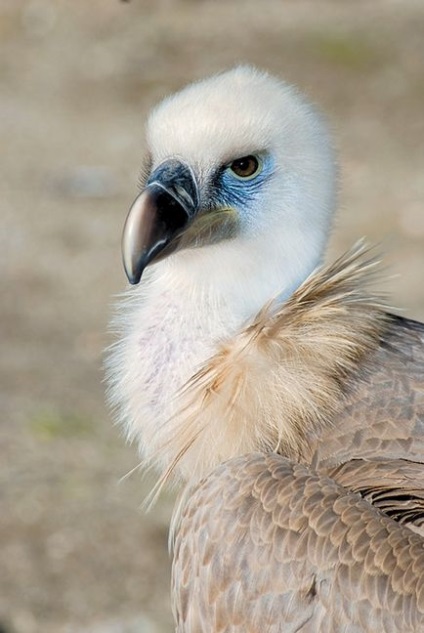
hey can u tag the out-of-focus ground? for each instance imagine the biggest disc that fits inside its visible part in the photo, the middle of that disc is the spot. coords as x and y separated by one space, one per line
77 79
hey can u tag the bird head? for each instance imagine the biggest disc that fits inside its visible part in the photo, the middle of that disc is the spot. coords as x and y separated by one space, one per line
241 169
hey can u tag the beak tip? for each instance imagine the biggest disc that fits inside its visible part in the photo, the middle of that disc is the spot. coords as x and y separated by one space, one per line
133 280
133 274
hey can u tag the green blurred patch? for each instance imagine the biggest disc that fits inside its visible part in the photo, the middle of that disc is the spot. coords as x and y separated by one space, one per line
50 425
349 51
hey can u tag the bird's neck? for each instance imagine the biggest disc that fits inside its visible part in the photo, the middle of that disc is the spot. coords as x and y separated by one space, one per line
232 282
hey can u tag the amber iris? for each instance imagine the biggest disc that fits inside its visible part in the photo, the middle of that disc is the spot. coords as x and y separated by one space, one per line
245 167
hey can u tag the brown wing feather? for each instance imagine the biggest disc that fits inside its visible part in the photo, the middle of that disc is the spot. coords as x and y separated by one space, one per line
376 443
383 412
266 545
394 485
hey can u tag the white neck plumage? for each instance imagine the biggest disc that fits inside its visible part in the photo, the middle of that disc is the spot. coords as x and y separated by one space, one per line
239 276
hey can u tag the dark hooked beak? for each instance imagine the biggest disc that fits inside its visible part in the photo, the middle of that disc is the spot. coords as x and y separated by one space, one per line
158 216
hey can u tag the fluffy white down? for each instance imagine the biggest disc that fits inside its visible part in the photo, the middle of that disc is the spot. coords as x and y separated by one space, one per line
187 304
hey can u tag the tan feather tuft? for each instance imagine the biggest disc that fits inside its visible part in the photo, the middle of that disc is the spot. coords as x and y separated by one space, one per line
282 378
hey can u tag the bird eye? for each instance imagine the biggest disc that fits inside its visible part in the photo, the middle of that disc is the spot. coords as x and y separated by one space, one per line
246 167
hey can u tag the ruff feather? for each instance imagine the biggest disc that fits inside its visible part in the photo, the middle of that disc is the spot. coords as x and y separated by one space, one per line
273 386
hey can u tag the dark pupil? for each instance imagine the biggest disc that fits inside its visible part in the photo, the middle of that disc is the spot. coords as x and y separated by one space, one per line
245 166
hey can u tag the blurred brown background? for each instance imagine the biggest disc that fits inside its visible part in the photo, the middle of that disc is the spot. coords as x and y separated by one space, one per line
77 78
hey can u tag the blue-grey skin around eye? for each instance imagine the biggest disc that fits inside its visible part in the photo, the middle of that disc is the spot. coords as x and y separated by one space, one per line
242 193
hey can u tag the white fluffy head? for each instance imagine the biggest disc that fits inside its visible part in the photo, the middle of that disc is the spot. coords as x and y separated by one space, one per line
244 111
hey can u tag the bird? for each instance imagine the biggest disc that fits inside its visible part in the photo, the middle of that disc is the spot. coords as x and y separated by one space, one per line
278 392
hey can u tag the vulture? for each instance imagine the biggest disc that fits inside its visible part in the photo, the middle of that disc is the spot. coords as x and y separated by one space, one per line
280 394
